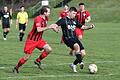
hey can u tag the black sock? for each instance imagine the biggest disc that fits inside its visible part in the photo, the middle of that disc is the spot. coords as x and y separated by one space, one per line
20 36
75 62
79 58
4 34
7 32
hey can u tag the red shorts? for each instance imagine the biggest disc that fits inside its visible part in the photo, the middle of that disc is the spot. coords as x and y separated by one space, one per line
79 32
30 45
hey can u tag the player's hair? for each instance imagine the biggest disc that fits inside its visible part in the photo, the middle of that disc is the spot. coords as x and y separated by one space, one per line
81 4
22 6
66 5
43 9
72 9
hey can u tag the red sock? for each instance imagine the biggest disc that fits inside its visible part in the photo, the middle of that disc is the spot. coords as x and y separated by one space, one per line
20 63
42 56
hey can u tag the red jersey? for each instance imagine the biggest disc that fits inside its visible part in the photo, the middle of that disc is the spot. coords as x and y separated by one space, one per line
63 14
40 22
81 16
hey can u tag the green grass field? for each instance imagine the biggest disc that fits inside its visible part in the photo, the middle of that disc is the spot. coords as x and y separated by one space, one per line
102 45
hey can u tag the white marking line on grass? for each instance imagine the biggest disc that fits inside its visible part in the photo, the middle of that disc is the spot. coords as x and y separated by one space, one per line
64 64
54 76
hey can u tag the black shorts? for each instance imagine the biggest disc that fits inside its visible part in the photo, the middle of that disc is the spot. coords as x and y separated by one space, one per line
71 41
22 26
5 25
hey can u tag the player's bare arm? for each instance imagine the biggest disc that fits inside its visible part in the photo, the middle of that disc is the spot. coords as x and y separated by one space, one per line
26 22
16 23
88 27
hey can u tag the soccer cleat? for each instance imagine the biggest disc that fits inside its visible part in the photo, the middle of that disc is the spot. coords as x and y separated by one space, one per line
81 65
15 70
4 39
73 67
38 64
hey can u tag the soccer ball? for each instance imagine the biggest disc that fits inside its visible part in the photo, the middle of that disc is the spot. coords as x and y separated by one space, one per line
92 68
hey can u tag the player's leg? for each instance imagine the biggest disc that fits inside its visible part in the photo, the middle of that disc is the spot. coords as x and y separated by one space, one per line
77 52
5 33
78 57
46 50
21 62
82 51
21 31
8 30
79 34
28 49
72 43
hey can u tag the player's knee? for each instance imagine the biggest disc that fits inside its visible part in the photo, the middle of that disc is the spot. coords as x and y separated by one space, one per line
76 47
49 50
83 53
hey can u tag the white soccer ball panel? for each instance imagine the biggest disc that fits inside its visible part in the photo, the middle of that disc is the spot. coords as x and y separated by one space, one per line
92 68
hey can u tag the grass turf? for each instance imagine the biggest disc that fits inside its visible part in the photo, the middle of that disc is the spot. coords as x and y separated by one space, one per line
101 44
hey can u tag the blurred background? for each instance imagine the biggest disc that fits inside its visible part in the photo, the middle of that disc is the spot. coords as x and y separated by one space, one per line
101 10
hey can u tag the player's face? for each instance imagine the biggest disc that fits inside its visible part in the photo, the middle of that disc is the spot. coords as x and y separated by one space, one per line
72 14
22 9
48 12
5 9
81 7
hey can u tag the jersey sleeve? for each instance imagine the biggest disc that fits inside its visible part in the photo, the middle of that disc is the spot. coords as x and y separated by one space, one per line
38 22
60 22
26 15
87 13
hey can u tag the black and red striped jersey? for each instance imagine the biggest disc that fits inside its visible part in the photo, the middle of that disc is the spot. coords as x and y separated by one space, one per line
34 34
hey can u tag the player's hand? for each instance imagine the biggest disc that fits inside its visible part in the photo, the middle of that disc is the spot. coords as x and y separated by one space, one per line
92 26
26 25
54 27
51 26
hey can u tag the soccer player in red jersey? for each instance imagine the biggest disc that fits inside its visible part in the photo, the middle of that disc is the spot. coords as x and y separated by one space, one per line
64 14
83 17
35 40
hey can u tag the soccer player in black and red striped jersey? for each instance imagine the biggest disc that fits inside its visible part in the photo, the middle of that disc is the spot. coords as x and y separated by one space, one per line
35 40
64 13
83 17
